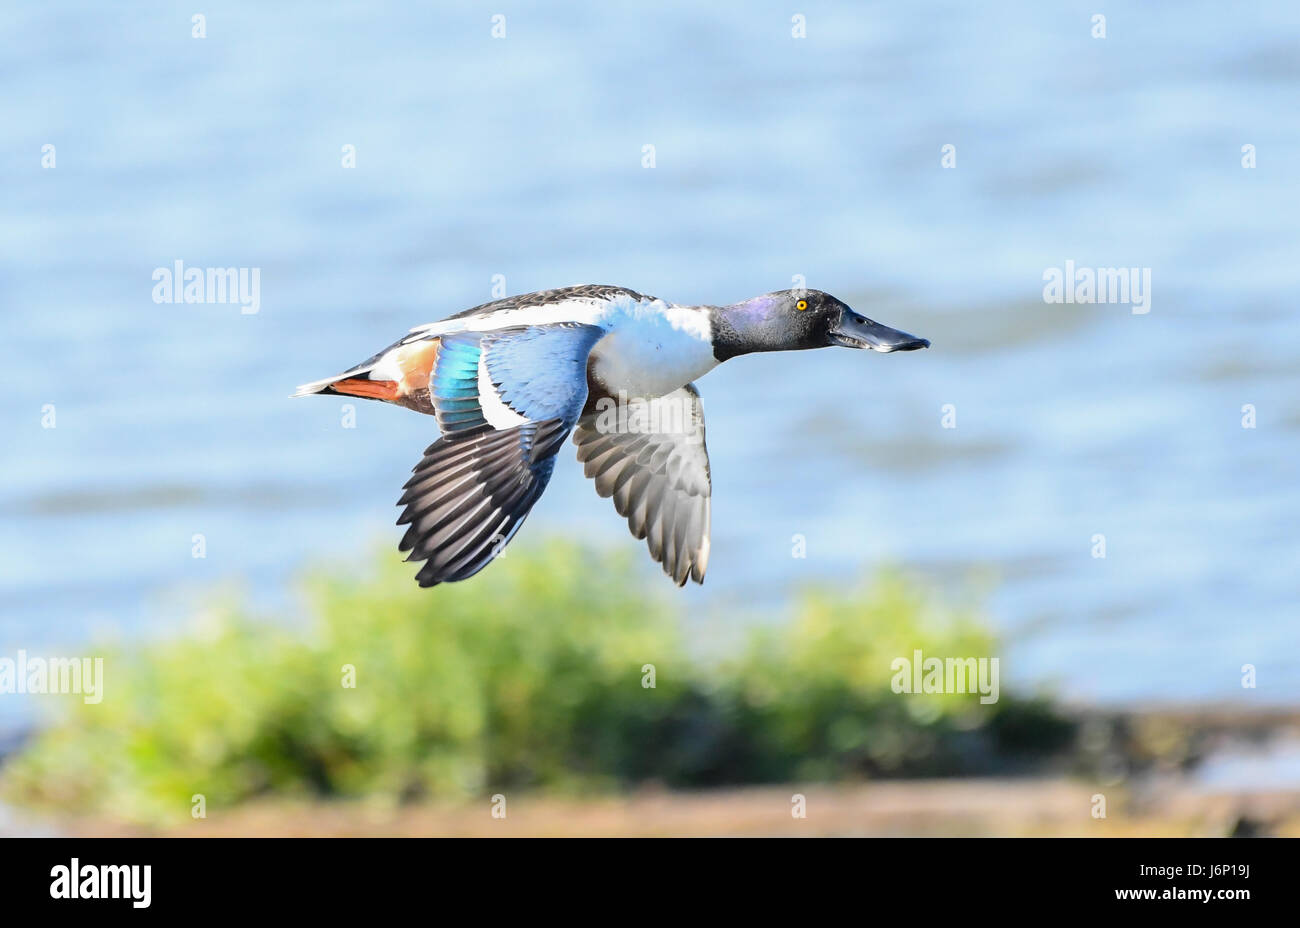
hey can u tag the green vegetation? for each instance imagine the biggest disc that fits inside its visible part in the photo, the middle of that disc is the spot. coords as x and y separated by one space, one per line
530 677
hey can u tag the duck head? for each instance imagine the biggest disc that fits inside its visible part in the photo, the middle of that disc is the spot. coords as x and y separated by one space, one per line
790 320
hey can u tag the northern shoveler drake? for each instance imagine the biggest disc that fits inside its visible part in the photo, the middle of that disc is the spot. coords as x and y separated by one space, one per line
509 380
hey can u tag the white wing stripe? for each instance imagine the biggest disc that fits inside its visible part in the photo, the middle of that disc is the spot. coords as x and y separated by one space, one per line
495 411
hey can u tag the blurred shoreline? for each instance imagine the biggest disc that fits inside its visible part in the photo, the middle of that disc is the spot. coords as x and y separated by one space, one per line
1211 772
1039 807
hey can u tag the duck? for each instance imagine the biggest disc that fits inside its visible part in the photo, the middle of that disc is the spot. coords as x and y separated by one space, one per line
510 380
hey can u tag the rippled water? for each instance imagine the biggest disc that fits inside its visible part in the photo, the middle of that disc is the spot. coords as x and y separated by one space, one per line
774 157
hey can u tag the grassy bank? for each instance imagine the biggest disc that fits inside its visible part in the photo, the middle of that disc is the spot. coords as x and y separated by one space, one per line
533 678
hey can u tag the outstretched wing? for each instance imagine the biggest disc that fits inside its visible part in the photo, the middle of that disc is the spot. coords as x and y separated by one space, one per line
651 458
505 400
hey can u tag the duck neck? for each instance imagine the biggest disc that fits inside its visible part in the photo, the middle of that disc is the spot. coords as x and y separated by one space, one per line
745 327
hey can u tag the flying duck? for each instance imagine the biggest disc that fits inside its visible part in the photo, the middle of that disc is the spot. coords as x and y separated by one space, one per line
509 380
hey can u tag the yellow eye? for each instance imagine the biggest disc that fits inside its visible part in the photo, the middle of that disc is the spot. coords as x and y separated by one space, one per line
801 305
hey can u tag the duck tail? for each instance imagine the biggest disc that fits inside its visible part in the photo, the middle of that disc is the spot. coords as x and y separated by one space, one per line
357 382
316 386
398 374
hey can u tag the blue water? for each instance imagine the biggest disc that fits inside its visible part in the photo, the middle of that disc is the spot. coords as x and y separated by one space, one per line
774 157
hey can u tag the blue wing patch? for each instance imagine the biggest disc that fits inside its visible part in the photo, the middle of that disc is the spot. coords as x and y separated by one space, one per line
539 371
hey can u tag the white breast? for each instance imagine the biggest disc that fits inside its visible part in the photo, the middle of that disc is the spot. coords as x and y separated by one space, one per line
653 347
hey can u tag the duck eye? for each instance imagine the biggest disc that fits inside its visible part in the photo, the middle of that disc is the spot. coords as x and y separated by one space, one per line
801 305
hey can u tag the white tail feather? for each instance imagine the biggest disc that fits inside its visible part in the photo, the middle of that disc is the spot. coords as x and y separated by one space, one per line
316 386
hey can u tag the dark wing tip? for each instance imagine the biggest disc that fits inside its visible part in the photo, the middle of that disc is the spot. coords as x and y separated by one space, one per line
471 494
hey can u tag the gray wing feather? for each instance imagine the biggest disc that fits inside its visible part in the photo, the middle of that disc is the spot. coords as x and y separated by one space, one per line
659 480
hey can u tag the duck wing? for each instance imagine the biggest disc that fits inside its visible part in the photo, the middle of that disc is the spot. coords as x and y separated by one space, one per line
654 463
505 401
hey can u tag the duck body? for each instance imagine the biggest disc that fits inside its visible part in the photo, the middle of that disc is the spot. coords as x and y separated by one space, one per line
509 380
649 347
